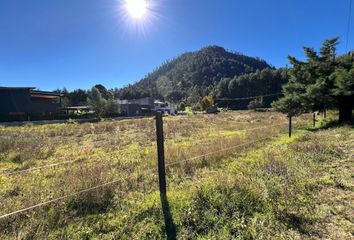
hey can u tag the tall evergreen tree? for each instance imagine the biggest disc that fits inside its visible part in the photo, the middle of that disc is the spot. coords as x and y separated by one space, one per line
343 89
323 81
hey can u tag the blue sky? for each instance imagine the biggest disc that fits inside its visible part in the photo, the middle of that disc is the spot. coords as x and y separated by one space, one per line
53 44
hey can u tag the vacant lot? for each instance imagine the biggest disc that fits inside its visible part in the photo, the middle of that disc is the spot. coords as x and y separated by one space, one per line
232 175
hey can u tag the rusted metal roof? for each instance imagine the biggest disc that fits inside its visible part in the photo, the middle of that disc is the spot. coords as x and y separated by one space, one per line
44 96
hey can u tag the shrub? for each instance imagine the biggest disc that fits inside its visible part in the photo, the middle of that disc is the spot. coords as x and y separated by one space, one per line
206 103
256 103
92 202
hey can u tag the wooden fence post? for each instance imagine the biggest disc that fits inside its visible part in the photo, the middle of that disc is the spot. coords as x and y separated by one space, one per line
290 125
314 119
160 153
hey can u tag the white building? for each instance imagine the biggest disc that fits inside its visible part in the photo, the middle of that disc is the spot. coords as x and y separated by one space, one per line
163 107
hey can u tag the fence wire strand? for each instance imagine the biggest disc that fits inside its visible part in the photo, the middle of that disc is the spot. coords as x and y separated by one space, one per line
211 153
6 174
120 180
132 176
74 194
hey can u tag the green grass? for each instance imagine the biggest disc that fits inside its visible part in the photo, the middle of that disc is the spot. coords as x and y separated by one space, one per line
276 189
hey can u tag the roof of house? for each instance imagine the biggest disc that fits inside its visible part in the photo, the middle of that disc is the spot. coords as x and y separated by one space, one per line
44 93
34 93
17 88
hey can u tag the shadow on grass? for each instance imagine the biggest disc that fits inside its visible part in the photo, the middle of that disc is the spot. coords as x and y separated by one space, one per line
331 124
169 224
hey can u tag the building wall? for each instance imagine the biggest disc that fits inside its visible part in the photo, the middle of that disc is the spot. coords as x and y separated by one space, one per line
12 101
38 106
130 110
20 102
144 102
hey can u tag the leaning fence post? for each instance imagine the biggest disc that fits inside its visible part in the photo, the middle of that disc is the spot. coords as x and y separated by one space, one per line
314 119
160 153
290 125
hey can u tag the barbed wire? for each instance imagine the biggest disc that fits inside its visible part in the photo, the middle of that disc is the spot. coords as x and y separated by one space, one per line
125 179
222 150
248 98
6 174
10 173
75 194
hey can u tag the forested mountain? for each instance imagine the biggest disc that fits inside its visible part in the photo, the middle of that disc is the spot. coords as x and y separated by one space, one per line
192 75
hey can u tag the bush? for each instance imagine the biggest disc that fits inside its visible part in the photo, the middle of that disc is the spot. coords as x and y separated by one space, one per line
206 103
92 202
256 103
181 106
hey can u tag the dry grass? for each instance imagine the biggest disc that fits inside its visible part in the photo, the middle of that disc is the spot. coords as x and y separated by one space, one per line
106 151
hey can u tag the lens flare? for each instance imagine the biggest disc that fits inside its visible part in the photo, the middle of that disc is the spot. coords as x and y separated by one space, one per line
138 16
136 8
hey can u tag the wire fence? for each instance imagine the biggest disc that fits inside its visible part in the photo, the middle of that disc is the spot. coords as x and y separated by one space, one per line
249 98
140 175
125 179
236 132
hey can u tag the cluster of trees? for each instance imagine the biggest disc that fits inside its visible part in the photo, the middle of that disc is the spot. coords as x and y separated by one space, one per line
191 76
102 102
268 81
98 98
79 97
324 80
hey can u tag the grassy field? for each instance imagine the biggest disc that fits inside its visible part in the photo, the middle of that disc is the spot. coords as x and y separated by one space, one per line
252 182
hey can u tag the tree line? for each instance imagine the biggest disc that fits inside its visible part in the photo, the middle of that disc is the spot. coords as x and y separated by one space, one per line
100 100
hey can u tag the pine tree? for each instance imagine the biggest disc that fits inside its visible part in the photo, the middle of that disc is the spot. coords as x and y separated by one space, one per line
323 81
343 90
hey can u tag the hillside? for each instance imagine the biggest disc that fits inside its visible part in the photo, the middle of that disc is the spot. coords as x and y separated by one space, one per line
192 74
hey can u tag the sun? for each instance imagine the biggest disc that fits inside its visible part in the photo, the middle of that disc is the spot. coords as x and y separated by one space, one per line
138 16
136 8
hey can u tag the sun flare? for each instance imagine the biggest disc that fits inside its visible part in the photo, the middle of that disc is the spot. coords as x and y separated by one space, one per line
138 16
136 8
